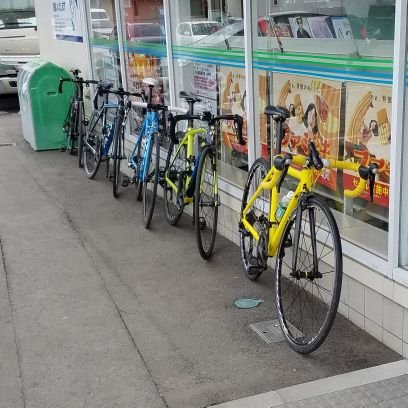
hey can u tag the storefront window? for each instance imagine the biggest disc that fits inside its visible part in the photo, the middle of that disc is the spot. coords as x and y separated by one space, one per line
104 41
403 253
208 51
145 49
330 64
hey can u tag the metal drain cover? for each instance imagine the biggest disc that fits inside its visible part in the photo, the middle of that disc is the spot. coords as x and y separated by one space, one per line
270 331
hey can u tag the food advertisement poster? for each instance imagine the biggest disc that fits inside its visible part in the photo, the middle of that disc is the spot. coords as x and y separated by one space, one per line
368 135
314 107
232 101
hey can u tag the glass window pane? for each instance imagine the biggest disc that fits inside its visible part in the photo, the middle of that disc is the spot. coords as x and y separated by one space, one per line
104 41
145 50
208 51
330 64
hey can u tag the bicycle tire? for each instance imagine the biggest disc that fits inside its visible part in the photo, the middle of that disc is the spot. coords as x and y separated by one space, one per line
206 203
258 214
138 181
152 180
81 138
303 333
176 163
72 128
117 154
93 138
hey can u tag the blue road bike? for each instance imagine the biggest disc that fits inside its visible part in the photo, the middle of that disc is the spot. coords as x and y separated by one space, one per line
105 134
145 157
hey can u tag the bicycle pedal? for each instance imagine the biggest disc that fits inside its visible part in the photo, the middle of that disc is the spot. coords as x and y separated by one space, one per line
125 181
203 224
288 243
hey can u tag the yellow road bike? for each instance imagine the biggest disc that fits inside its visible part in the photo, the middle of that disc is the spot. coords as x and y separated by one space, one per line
305 240
191 172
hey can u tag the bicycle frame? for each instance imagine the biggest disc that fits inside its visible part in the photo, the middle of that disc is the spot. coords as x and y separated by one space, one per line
149 127
188 140
103 111
307 178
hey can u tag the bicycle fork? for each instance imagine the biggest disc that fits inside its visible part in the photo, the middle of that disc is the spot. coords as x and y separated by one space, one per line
314 274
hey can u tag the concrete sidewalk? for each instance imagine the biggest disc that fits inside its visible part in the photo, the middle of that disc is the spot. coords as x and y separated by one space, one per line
95 311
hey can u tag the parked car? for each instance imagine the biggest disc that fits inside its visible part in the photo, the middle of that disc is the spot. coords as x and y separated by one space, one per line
190 32
102 25
145 32
19 44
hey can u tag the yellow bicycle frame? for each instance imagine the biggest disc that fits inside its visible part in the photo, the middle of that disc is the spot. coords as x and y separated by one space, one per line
307 178
187 140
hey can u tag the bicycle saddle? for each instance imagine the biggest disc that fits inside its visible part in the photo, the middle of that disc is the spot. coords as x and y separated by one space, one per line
150 81
278 113
189 97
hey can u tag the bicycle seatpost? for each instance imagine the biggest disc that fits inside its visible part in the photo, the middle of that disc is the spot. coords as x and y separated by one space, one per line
150 94
191 112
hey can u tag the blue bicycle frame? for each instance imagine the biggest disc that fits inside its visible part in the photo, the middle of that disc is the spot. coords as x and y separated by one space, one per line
150 126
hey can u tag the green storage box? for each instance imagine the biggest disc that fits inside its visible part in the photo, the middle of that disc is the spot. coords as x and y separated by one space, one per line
43 110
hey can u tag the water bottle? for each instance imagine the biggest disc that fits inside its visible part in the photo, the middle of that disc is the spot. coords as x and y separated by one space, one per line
283 205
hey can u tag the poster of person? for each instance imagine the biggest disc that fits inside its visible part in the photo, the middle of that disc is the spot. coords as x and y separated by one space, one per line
314 107
66 20
368 135
300 27
205 85
232 101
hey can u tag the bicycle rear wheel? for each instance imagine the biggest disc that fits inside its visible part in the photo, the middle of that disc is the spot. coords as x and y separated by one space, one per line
73 126
93 145
254 253
307 298
176 164
151 179
80 143
206 202
117 156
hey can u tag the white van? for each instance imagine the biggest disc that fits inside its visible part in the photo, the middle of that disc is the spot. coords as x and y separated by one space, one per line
102 25
18 44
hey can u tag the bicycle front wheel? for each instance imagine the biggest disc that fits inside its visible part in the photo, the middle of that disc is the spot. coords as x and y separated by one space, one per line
206 202
93 145
175 174
307 297
254 253
151 179
117 156
138 181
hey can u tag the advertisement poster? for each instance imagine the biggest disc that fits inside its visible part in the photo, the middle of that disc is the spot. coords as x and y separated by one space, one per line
368 135
232 101
314 107
139 67
205 85
66 20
